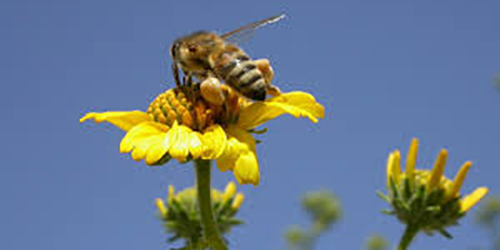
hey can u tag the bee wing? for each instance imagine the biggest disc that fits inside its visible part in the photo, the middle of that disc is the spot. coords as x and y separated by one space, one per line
246 32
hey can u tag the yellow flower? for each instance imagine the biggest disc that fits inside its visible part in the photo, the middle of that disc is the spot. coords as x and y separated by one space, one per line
433 180
426 199
180 124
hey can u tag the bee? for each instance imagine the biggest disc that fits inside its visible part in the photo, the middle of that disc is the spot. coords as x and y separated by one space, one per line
212 58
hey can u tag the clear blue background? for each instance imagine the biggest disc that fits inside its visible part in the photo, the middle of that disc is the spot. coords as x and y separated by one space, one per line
386 71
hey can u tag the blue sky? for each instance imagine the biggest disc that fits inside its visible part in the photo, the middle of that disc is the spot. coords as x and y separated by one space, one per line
386 71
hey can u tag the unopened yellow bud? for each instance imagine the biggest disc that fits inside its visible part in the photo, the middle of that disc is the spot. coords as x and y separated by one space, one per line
411 159
171 193
229 192
161 207
472 199
437 171
394 167
459 180
216 196
238 200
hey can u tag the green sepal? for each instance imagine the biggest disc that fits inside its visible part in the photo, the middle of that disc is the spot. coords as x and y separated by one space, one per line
394 189
388 212
258 132
384 197
407 190
445 233
433 209
234 222
163 160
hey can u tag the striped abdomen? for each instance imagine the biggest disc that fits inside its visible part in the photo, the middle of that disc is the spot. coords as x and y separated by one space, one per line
240 72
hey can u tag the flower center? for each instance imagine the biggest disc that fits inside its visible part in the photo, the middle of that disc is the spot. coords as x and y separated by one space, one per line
186 106
422 177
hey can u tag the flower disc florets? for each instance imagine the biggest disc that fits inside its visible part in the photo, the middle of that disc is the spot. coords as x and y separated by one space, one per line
188 108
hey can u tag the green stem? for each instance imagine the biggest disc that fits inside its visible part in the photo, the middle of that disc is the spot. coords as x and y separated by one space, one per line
408 236
209 225
313 234
193 244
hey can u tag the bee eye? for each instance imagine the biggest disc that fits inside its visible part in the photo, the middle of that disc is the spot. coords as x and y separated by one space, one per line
192 48
173 50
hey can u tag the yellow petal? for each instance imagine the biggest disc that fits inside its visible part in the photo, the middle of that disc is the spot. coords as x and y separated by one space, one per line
240 156
472 199
157 150
122 119
216 196
246 170
171 193
298 104
238 200
231 152
179 138
394 167
437 171
389 169
229 192
145 139
459 180
214 142
411 159
196 145
161 207
140 132
152 146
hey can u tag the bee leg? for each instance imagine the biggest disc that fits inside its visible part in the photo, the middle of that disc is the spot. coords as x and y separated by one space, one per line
187 84
175 70
211 91
188 80
265 68
273 90
267 72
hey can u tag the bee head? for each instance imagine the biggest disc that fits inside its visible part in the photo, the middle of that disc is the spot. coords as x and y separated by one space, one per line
192 52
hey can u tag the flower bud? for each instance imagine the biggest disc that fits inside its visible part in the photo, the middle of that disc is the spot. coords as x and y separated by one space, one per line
426 199
181 216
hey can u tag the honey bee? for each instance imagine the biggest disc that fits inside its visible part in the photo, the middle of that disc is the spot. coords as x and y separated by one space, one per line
212 58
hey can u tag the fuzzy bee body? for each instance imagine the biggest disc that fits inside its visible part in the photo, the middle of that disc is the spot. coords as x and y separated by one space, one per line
240 72
207 55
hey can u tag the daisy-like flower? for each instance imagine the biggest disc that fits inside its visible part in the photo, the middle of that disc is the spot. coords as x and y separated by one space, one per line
425 200
180 124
